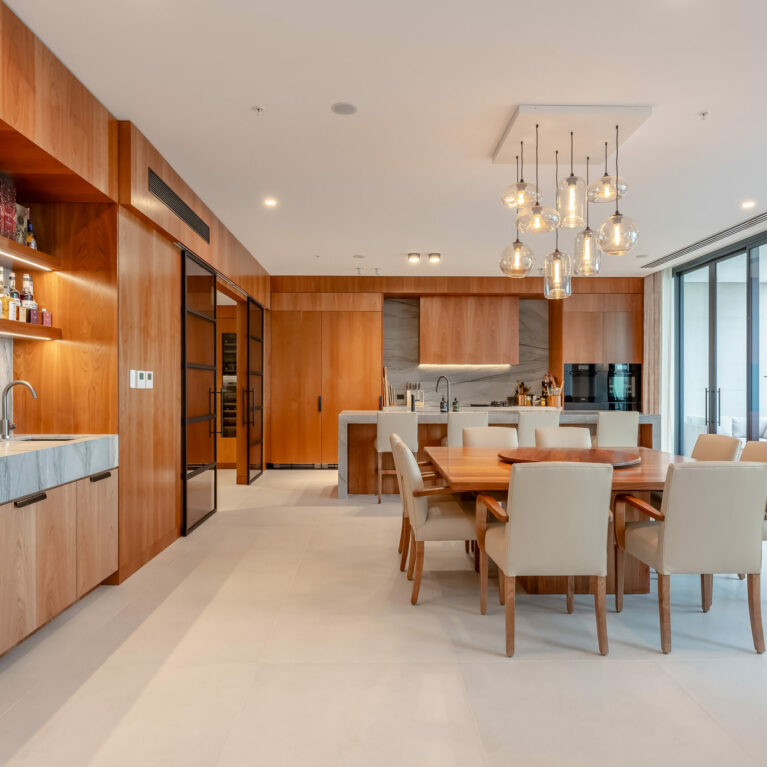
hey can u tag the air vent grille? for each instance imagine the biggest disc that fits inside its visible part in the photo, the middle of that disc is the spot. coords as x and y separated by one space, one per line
173 202
712 240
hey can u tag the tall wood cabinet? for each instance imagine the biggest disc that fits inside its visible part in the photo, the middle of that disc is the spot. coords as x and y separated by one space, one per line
323 362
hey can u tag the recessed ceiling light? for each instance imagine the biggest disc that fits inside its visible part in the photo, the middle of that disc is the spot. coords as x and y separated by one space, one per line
257 109
358 255
270 202
414 258
748 204
343 108
434 258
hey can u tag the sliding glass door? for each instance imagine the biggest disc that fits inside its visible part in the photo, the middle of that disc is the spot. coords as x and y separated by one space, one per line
254 395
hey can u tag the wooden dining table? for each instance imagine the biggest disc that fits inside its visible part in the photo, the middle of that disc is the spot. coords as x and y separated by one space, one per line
478 469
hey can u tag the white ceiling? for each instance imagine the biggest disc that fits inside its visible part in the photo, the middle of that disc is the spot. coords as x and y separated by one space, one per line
435 82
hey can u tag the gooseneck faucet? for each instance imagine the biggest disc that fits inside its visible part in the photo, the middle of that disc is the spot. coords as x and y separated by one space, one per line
447 381
6 427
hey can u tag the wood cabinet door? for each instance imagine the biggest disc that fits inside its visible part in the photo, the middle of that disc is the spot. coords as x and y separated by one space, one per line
623 340
55 550
18 600
296 347
352 359
96 530
582 337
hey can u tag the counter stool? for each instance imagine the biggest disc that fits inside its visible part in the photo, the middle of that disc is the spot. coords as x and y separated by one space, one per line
403 424
457 422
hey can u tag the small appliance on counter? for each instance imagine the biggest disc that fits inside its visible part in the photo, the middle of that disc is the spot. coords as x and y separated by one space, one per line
617 386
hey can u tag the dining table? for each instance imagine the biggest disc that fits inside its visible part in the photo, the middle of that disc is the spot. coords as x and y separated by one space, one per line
480 469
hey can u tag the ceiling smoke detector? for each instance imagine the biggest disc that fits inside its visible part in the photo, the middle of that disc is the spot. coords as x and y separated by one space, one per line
343 108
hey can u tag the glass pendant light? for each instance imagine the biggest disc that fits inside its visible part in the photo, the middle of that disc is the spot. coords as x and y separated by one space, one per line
571 197
618 234
537 219
604 188
521 195
586 252
517 258
557 266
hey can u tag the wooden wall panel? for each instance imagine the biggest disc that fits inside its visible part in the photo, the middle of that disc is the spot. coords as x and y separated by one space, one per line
327 302
42 100
149 419
469 330
556 340
583 337
76 378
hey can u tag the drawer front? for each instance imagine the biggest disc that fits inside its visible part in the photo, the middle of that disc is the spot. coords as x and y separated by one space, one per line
96 530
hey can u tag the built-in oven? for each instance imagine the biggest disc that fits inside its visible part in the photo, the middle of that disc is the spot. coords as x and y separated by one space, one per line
617 386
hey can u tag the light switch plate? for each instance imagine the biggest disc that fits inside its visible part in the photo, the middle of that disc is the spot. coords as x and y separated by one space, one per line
149 379
133 379
141 383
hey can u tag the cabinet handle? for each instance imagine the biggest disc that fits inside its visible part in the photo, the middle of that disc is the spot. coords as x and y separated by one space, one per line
319 404
99 477
29 500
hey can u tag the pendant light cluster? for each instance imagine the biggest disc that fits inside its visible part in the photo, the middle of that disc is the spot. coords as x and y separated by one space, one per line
615 237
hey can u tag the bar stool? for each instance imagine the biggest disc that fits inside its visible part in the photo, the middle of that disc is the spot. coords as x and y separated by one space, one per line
403 424
457 422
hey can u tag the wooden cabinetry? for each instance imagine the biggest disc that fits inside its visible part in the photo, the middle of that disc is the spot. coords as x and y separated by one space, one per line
469 330
96 530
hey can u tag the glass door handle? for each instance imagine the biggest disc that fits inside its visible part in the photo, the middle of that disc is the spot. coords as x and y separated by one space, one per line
707 421
718 407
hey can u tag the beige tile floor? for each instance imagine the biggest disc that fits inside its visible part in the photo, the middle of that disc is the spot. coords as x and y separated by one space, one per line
281 633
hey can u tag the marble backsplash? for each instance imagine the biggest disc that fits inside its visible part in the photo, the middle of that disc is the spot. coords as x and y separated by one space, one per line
400 354
6 361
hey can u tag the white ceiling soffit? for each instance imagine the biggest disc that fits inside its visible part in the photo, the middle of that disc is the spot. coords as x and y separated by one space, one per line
592 125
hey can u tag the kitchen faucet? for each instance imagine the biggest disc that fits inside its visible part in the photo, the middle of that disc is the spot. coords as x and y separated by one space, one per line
6 427
447 381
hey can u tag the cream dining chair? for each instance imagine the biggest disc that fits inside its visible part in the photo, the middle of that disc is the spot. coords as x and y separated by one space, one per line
557 524
530 421
563 436
502 437
457 422
434 514
710 521
388 423
617 428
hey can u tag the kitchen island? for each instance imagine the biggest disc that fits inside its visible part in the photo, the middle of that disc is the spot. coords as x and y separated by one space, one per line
357 434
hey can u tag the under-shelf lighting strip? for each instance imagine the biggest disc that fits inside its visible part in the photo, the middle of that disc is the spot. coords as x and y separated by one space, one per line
476 367
34 264
24 336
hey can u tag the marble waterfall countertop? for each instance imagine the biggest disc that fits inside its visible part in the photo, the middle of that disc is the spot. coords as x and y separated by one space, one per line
496 415
31 466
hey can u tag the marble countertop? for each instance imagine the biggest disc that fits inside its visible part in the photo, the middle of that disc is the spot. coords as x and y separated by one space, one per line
28 466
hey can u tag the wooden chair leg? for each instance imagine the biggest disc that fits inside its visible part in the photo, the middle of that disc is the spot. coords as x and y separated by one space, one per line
570 592
406 542
509 585
482 582
599 587
620 563
706 591
755 610
664 612
380 475
402 533
418 571
501 587
411 564
467 545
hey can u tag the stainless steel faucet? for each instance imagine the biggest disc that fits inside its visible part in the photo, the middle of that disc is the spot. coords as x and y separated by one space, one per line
6 427
447 381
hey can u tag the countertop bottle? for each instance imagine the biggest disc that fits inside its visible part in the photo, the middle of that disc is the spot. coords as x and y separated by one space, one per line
455 404
443 405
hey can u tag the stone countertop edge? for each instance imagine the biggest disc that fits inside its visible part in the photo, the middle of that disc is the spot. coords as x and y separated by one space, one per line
35 467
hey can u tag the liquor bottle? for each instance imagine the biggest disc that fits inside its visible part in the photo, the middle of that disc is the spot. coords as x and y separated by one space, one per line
443 405
14 293
31 241
28 300
5 298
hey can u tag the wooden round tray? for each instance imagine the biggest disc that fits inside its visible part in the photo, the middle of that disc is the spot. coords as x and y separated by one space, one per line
618 458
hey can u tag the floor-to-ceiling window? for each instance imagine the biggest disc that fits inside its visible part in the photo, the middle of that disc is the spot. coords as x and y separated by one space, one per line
721 354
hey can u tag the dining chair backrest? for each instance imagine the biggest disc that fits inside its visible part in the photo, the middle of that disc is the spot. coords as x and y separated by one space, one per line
617 428
403 424
715 447
563 436
558 517
407 466
754 451
713 517
457 422
530 421
502 437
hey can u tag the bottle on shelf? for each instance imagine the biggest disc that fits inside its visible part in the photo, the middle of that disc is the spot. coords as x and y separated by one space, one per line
5 296
27 298
14 293
31 240
14 304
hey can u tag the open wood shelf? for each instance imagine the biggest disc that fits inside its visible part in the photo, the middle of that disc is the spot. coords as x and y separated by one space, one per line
27 259
23 330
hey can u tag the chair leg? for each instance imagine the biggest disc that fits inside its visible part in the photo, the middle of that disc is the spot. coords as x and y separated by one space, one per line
706 591
570 592
509 585
501 587
380 475
467 545
620 563
482 582
664 612
402 533
599 587
406 534
755 610
418 571
411 563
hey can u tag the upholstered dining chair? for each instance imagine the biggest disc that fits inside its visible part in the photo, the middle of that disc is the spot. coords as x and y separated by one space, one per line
563 436
403 424
710 521
502 437
715 447
530 421
557 524
457 422
754 451
617 428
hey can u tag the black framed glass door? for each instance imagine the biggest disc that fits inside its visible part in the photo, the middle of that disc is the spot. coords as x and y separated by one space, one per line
199 391
254 394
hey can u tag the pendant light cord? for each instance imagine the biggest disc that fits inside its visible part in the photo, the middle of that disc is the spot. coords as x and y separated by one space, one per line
571 154
587 197
517 218
536 157
616 171
605 158
522 155
556 182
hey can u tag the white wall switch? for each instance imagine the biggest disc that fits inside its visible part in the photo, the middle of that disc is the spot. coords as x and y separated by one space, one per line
149 376
133 379
141 382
